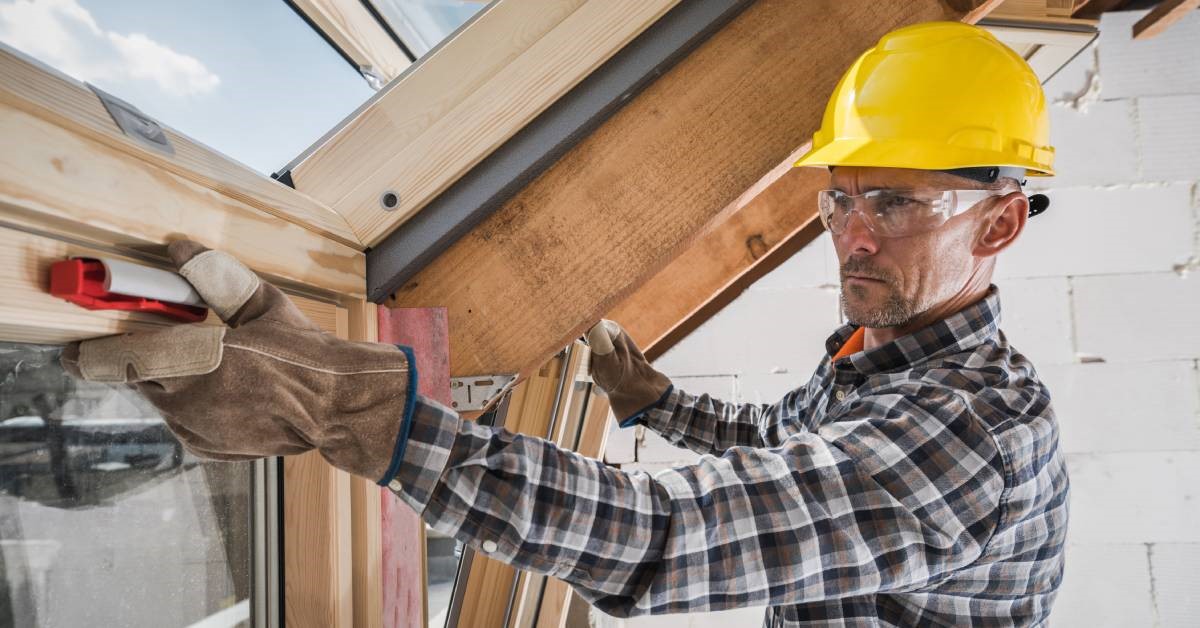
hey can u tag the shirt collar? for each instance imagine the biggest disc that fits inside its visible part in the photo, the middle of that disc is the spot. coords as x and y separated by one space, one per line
961 331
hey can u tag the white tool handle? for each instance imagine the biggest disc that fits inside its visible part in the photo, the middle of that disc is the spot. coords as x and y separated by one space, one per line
135 280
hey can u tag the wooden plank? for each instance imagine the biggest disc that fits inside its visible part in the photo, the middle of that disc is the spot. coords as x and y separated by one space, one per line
405 599
1162 17
483 120
56 180
633 195
426 92
760 231
352 28
318 578
316 521
366 514
29 314
41 91
1035 8
1093 9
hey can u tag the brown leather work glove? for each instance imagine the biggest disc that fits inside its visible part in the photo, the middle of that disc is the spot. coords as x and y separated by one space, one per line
620 369
270 384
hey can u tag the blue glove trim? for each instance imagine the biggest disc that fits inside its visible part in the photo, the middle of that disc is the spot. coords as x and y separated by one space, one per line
406 421
633 418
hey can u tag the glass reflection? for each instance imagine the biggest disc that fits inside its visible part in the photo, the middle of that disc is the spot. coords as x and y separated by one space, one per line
104 518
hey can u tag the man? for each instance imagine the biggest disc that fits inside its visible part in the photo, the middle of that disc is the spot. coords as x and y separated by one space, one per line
914 480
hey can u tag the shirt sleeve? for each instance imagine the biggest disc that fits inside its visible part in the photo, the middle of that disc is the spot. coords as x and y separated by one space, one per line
896 494
707 425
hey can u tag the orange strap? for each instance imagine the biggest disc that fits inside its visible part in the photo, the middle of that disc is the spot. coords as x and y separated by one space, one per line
853 344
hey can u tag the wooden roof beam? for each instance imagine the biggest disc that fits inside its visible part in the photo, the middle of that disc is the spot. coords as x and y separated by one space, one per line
1161 17
633 195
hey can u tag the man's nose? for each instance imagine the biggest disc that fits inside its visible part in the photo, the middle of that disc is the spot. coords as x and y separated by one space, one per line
856 237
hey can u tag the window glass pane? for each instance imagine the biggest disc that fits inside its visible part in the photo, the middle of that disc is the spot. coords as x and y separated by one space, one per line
249 79
105 520
422 24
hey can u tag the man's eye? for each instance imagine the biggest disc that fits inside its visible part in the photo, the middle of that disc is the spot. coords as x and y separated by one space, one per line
892 202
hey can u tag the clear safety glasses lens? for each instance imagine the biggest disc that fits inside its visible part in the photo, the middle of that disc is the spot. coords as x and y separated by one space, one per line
894 213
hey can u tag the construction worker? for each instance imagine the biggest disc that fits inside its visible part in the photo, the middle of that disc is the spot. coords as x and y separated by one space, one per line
916 479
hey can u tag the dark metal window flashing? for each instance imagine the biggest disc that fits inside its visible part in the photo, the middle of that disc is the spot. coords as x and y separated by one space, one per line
534 148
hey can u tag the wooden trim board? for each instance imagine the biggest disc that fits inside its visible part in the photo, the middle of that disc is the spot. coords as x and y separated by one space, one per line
44 92
426 92
366 505
58 181
447 146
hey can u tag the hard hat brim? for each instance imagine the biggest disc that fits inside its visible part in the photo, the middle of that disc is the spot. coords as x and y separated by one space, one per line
875 153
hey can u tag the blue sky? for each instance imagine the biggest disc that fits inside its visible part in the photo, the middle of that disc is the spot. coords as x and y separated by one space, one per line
248 78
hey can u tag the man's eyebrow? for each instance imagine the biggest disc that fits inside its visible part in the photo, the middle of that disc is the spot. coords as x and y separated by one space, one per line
866 188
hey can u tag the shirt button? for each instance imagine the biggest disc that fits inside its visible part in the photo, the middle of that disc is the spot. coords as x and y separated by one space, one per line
489 546
841 394
395 485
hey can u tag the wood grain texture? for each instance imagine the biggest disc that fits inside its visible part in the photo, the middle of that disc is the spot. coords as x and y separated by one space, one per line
1162 17
366 514
316 533
635 194
483 120
31 87
357 33
317 544
425 93
405 577
715 269
27 311
56 180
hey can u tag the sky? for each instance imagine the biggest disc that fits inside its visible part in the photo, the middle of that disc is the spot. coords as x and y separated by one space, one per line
246 77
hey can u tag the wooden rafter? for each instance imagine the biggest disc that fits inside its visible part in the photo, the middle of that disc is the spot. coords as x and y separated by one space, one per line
625 201
758 232
1162 17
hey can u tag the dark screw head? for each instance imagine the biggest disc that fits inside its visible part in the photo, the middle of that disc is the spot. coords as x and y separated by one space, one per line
389 200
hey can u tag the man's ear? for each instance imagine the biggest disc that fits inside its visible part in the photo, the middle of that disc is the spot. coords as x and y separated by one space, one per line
1002 223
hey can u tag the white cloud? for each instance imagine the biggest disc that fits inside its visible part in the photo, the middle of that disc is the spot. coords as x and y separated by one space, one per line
64 35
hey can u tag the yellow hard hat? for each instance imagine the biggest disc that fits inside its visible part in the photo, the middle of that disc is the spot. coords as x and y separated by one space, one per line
936 96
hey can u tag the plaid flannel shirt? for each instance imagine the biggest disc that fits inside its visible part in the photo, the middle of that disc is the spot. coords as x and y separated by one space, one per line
915 483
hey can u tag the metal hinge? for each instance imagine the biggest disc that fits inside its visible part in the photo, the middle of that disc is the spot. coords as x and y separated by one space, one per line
133 122
474 393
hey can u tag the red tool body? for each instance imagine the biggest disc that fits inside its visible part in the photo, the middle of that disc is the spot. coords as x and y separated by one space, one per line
86 283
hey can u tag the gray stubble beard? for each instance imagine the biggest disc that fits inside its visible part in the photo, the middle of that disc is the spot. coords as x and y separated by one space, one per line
895 311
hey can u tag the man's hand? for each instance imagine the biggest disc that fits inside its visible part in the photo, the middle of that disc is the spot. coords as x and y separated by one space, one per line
271 384
620 369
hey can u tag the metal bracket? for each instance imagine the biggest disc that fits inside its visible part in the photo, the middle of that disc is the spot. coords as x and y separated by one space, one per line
133 122
474 393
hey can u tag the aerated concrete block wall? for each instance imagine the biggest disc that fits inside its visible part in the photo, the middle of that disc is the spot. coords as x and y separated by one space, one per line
1102 293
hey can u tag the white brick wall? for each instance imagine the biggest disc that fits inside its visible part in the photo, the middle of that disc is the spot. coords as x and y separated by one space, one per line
1102 293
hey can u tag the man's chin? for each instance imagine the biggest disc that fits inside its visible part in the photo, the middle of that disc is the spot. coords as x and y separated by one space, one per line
876 311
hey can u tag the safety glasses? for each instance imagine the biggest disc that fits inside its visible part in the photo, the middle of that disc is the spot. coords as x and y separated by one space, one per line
895 213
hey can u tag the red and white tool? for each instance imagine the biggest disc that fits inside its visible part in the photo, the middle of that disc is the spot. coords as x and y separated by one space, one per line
111 284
